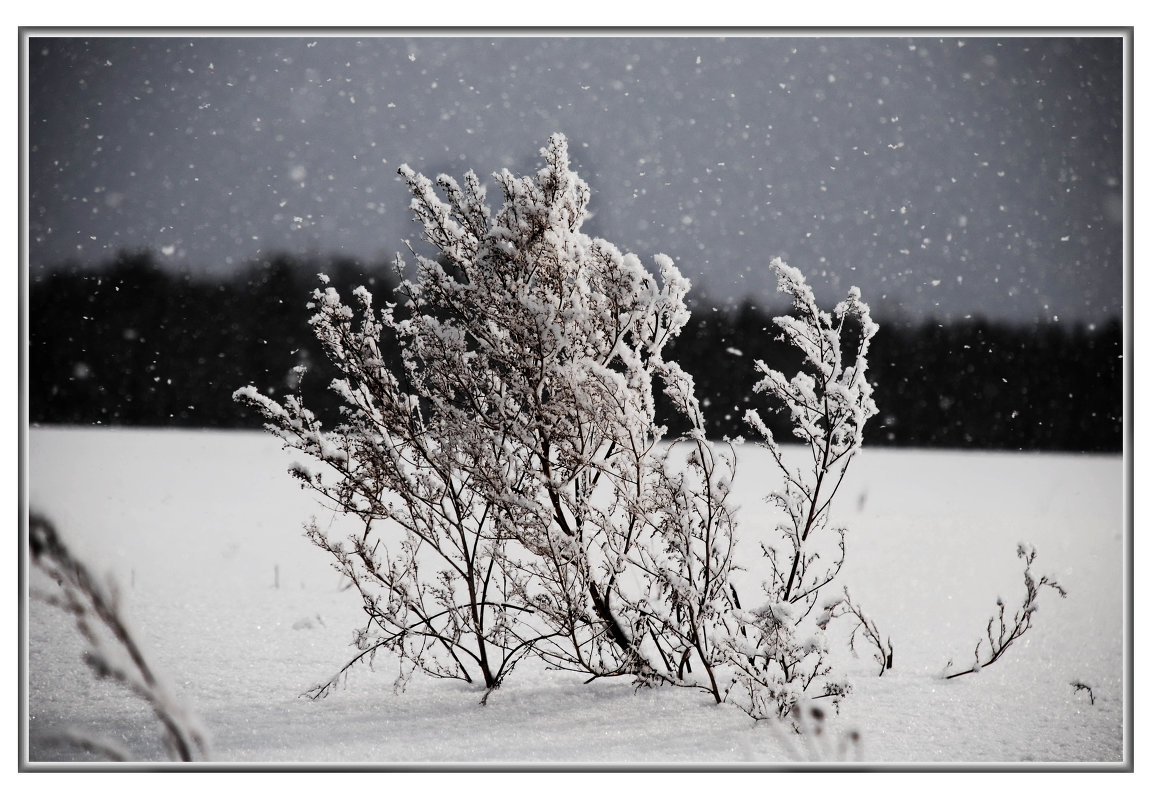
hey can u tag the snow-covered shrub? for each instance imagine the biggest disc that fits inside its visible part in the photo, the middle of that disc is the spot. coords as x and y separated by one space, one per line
780 650
111 650
514 489
1001 632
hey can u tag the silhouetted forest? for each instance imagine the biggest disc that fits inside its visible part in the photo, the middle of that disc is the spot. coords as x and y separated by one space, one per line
131 343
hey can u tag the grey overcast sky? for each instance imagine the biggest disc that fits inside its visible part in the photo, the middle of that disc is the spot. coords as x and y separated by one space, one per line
944 175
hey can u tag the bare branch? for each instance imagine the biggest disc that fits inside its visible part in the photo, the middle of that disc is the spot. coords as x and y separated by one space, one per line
1010 629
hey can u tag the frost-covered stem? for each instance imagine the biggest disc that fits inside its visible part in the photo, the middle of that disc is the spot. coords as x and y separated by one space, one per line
477 603
476 610
599 597
84 596
810 517
716 573
706 662
711 577
824 463
829 404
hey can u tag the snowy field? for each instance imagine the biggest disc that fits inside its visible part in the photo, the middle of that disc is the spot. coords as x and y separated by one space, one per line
203 532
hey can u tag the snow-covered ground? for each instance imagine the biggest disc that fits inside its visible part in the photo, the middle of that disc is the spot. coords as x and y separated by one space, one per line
241 615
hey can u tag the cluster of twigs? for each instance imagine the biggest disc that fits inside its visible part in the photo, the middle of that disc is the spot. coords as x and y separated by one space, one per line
1002 632
867 628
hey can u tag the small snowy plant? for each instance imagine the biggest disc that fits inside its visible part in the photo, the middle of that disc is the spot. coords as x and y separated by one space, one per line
780 651
111 652
514 492
1003 631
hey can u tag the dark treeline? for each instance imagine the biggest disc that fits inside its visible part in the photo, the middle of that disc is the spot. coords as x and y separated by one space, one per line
131 343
